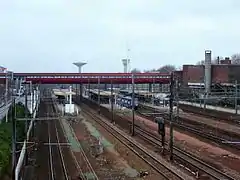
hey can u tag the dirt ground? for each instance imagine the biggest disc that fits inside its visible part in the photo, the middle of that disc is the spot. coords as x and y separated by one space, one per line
220 158
116 161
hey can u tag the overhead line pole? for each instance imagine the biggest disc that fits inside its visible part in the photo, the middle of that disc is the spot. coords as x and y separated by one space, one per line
236 97
133 105
112 100
171 116
98 94
13 140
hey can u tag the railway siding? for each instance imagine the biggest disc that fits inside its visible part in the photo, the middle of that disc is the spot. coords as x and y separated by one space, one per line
120 120
133 144
228 117
218 125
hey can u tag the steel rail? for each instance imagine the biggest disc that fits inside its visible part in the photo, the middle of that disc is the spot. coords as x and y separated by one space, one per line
85 157
201 134
72 153
194 161
50 154
119 135
61 154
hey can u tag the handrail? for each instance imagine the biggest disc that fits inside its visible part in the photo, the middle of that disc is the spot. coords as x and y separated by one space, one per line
23 150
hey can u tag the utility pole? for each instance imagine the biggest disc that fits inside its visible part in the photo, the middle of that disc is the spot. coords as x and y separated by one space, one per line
13 141
112 100
6 96
88 88
171 116
98 95
26 121
133 105
236 97
177 99
153 92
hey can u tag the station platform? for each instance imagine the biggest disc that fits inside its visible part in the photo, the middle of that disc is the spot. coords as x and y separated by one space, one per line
161 109
217 108
203 120
117 108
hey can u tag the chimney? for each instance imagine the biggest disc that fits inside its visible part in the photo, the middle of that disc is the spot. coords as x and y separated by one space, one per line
208 72
218 60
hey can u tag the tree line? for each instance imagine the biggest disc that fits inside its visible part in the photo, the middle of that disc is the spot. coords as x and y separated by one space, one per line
164 69
235 58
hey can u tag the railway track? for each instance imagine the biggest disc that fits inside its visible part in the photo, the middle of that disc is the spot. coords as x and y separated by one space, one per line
55 160
81 162
57 166
138 149
213 114
187 158
203 133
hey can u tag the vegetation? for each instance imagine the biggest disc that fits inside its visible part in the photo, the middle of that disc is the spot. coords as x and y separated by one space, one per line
164 69
5 137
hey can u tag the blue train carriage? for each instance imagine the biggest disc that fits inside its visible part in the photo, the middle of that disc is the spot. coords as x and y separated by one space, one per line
126 101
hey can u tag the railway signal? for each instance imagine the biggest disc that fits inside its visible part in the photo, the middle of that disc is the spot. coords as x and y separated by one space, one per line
161 129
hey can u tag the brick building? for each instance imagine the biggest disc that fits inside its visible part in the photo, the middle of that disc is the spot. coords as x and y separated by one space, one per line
223 72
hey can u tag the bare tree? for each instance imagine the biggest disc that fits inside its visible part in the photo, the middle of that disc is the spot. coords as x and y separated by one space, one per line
167 68
135 70
200 62
236 58
164 69
151 70
217 60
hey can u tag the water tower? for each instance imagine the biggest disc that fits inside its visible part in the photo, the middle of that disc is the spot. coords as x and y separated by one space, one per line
125 65
79 65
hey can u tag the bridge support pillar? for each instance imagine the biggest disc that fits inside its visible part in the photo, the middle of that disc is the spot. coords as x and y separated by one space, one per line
80 89
150 88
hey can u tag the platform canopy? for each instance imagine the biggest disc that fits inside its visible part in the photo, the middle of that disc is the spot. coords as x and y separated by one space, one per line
62 92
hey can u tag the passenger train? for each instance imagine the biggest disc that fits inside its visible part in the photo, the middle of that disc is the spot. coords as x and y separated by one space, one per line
126 101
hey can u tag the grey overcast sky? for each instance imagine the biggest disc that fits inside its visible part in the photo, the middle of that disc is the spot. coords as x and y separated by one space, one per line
48 35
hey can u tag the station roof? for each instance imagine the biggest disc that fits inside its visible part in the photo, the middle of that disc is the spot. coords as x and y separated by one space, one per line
102 93
62 92
139 92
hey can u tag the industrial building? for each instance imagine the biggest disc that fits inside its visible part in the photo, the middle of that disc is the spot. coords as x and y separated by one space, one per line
223 73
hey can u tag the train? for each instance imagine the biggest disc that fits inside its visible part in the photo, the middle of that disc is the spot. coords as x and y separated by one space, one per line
126 101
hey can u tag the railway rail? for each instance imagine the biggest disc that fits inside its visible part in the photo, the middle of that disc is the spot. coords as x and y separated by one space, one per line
53 165
56 157
213 114
205 133
56 161
135 147
186 157
82 163
201 168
